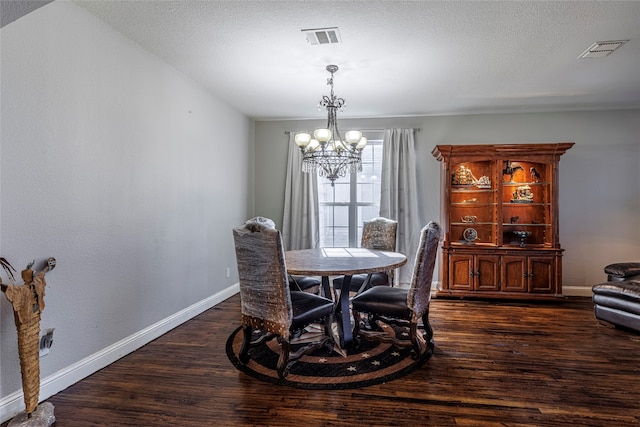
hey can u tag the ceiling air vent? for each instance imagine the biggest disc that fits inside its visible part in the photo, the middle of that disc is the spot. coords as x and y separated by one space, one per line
602 49
322 35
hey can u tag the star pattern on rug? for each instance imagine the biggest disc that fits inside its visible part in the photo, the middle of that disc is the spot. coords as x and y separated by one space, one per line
370 363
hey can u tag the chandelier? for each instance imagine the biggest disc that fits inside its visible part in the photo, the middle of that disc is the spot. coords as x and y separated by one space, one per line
326 152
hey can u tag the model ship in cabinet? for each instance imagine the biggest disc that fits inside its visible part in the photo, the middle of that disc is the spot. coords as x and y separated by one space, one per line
500 216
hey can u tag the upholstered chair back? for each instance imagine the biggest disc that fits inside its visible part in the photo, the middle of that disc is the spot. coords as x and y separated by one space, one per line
264 287
419 295
379 234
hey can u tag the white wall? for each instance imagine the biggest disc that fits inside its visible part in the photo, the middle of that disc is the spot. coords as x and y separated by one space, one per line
599 176
128 173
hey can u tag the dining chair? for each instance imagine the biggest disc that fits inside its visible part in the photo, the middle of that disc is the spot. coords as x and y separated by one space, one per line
402 306
379 234
305 284
269 308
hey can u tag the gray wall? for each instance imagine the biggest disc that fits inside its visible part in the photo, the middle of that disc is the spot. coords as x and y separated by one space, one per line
130 174
599 176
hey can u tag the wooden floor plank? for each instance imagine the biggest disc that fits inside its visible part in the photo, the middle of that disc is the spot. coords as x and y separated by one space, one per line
495 364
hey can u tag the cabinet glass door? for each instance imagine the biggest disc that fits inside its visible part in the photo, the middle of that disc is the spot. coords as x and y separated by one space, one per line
526 204
473 211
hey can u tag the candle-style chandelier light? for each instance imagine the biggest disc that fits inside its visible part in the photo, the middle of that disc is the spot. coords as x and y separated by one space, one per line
326 152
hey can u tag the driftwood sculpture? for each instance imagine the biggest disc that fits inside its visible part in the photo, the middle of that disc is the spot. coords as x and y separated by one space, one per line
28 302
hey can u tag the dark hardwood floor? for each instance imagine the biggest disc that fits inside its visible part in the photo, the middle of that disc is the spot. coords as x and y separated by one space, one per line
496 363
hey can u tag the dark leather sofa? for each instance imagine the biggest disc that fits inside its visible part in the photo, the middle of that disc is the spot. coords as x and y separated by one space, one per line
617 301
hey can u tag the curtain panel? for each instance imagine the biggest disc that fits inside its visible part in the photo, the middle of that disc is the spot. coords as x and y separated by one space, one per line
399 194
301 222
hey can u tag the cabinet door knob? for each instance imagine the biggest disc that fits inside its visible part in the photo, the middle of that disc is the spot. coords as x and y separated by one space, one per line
531 274
471 273
478 273
525 275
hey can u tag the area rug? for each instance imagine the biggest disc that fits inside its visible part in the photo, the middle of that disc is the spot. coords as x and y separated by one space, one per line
368 364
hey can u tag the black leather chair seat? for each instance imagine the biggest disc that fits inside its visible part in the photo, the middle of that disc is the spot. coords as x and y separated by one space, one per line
308 308
383 300
303 283
377 279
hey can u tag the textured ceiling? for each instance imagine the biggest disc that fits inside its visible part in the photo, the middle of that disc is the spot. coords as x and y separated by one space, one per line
397 58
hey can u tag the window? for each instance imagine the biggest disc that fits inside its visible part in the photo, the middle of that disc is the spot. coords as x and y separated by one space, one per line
354 199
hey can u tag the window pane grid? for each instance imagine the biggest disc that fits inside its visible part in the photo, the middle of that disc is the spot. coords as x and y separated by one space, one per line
352 200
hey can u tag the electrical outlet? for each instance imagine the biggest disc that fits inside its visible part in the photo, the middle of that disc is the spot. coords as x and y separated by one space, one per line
228 272
46 341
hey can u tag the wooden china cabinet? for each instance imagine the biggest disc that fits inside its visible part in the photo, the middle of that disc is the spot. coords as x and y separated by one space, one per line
500 218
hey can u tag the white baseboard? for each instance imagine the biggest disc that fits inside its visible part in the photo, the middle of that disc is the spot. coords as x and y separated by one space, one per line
577 291
13 404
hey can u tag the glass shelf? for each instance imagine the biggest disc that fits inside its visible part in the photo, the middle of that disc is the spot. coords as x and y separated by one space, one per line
472 224
514 184
524 205
473 204
465 189
508 224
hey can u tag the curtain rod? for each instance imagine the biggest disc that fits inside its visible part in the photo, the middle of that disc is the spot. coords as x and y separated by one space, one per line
287 132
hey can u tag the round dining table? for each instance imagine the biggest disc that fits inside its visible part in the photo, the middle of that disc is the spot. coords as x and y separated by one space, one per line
345 262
